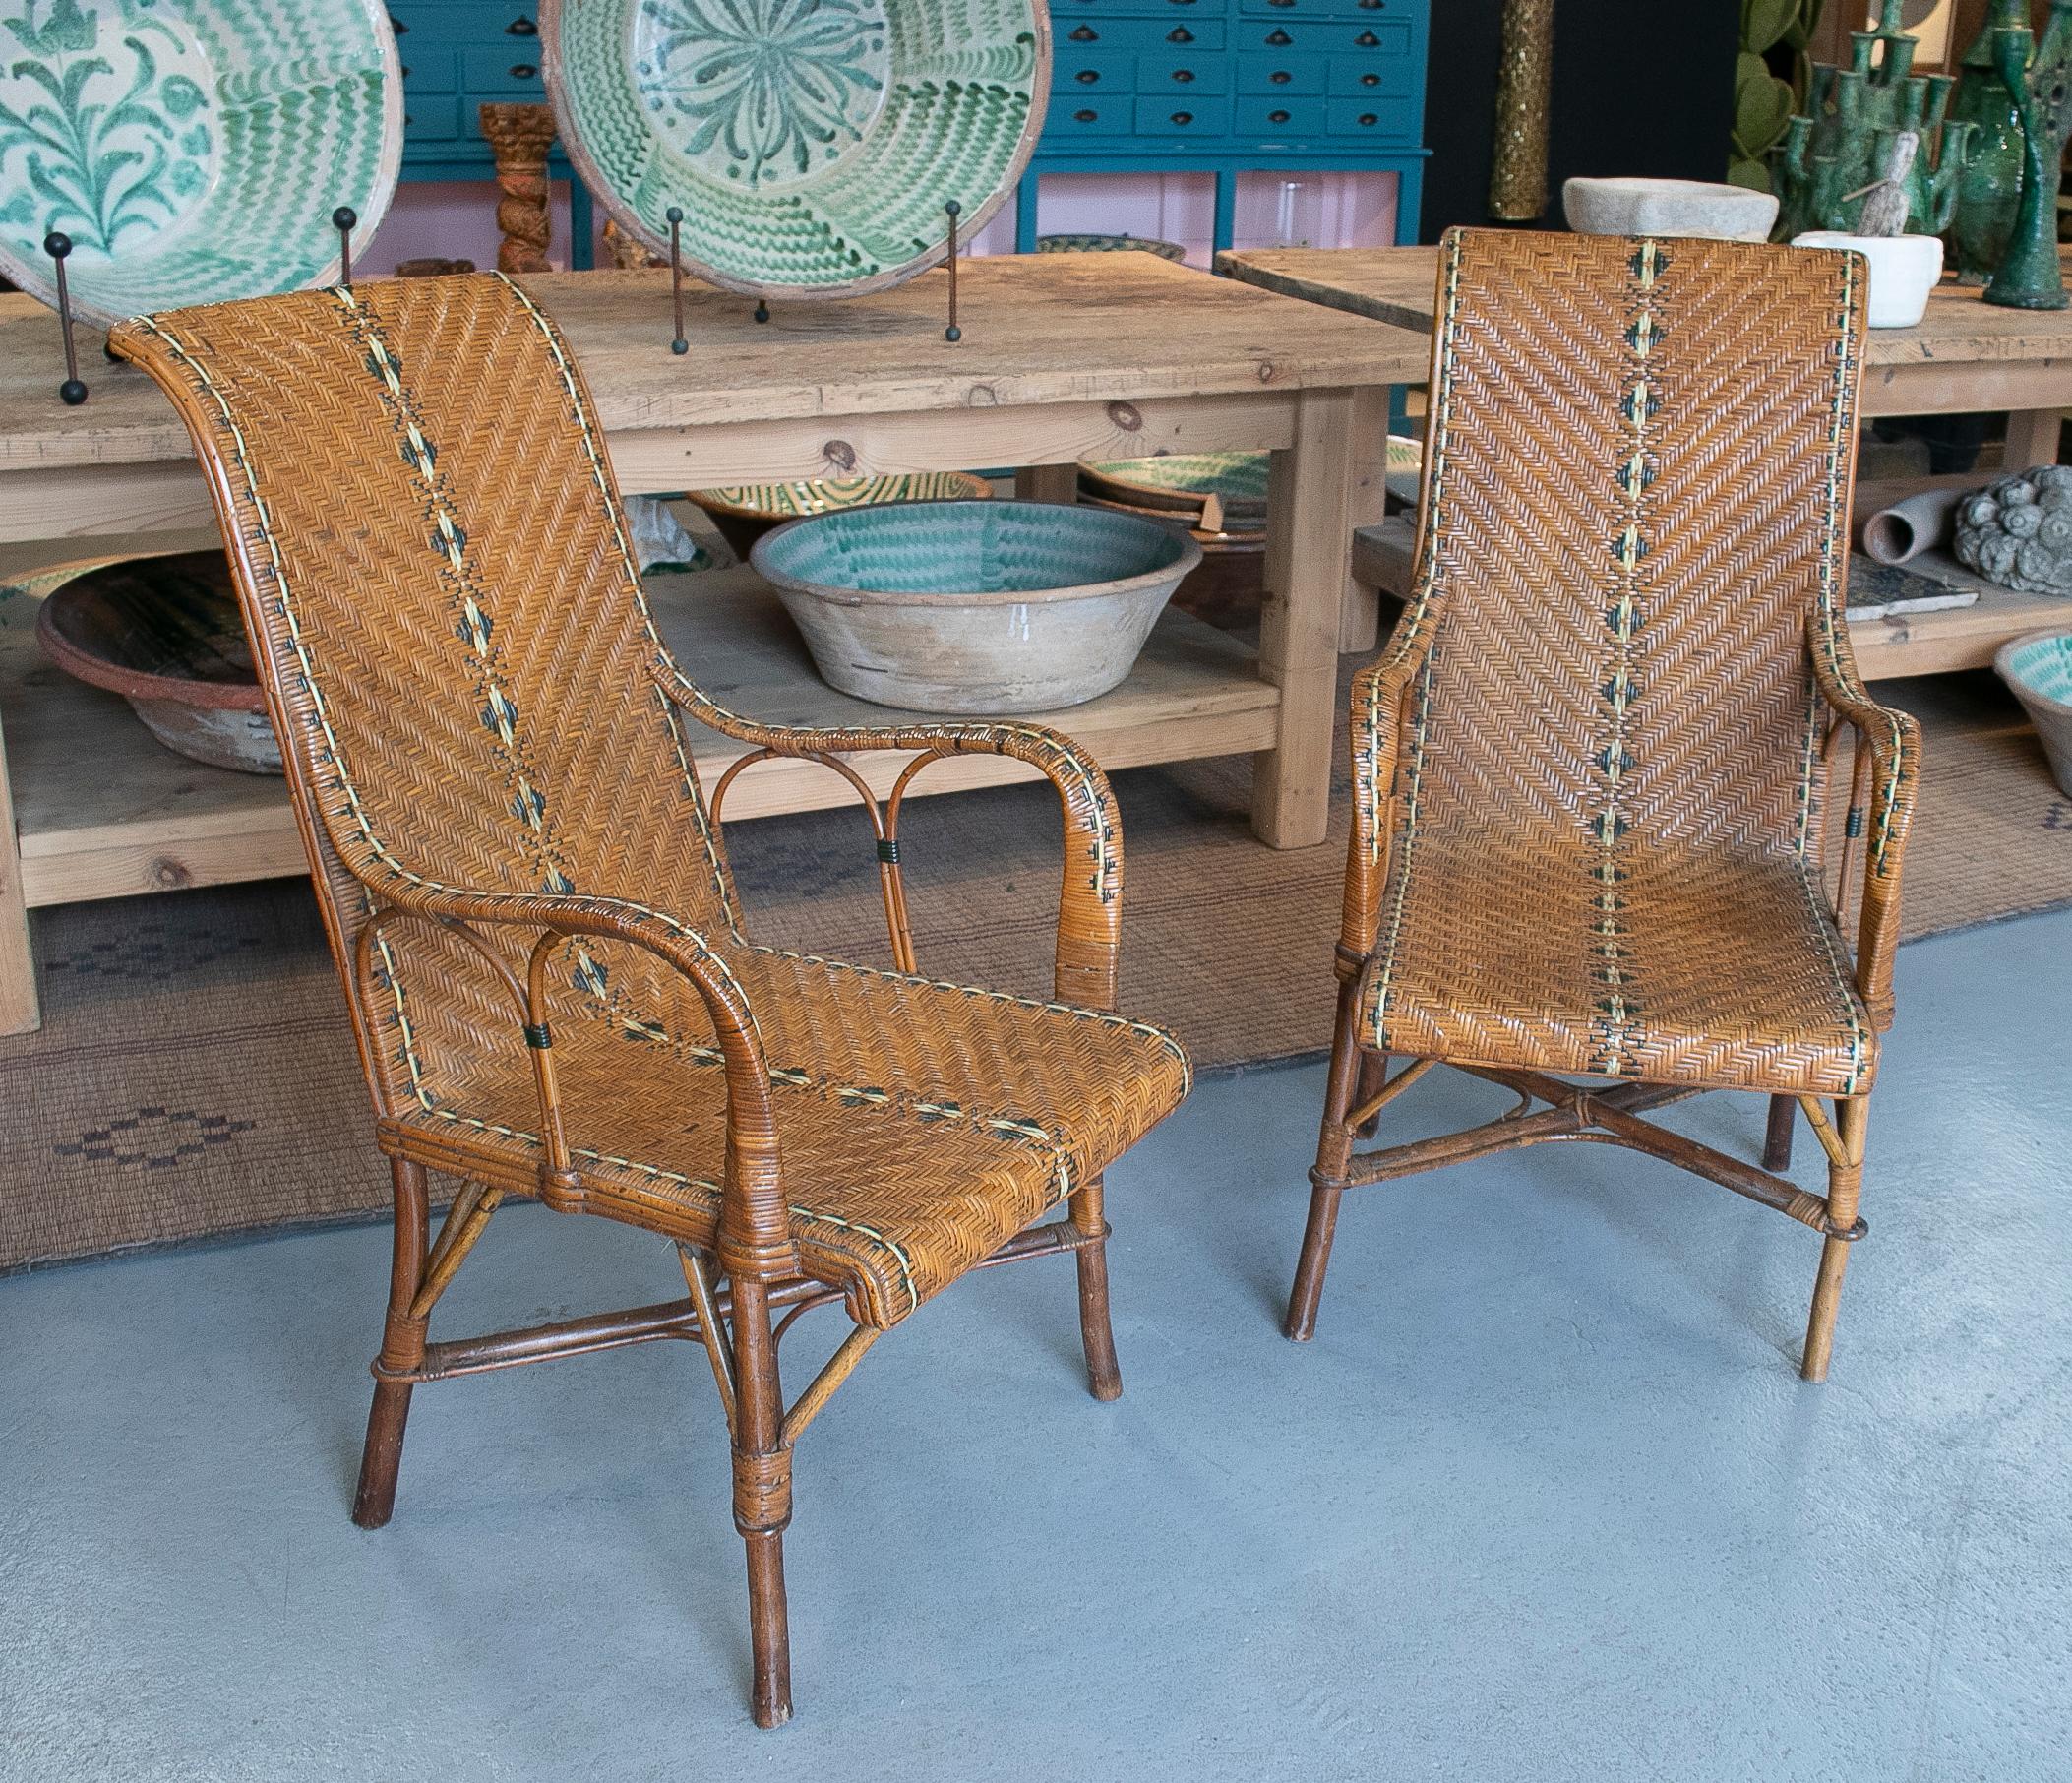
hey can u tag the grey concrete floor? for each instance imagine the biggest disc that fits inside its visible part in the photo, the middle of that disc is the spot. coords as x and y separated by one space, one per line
1544 1499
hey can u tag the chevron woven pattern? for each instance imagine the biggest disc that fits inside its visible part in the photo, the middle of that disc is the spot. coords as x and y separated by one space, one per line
459 651
1604 857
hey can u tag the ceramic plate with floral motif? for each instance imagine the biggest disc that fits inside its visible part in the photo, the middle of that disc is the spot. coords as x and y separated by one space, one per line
811 145
193 149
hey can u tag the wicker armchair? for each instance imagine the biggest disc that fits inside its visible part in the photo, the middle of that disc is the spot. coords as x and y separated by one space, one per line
529 903
1593 763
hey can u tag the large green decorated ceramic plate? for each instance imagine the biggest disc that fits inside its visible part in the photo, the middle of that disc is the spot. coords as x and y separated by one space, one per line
811 145
193 149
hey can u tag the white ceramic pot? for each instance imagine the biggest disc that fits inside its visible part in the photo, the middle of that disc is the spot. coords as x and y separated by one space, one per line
1668 207
1904 270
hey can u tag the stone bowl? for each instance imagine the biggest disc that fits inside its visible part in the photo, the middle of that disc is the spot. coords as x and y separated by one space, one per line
975 608
193 152
165 632
1668 207
2038 670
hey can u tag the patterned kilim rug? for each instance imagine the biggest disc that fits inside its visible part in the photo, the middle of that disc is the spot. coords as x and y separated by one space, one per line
195 1075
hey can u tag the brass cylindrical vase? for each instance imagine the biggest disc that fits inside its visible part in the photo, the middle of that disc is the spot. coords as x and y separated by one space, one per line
1524 93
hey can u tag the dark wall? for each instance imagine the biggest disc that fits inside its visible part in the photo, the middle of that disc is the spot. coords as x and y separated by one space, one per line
1640 87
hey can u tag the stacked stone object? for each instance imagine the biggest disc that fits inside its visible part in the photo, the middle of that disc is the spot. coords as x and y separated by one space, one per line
2017 531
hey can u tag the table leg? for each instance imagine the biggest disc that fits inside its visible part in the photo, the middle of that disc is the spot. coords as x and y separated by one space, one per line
1360 619
1047 483
1308 543
2033 437
19 1013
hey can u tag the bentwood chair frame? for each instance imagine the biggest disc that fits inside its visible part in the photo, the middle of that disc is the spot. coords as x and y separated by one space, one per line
1539 329
748 1272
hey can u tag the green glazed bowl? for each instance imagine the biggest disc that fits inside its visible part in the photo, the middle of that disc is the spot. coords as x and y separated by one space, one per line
975 608
811 145
193 149
2037 670
1111 244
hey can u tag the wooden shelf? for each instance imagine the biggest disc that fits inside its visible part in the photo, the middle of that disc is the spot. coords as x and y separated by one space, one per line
1908 644
105 812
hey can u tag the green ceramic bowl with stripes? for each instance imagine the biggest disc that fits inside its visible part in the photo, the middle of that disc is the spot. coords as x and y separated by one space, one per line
975 608
193 150
2037 670
811 145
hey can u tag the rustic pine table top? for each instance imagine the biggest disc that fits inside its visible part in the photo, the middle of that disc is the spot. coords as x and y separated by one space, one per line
1038 329
1966 354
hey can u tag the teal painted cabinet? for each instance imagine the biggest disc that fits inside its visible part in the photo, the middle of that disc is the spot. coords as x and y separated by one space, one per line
1229 86
456 54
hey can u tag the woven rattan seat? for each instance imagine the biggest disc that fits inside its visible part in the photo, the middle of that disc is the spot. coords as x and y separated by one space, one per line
552 981
923 1125
1748 981
1594 762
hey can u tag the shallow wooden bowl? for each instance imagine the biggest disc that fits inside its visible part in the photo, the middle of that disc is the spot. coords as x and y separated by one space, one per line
165 632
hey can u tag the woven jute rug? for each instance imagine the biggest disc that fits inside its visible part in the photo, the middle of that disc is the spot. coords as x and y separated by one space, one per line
195 1075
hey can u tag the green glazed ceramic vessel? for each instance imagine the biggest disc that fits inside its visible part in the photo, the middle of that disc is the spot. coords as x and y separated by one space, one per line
811 145
1111 244
975 608
193 149
2038 670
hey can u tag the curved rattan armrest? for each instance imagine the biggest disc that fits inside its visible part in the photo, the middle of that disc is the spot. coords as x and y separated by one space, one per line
754 1226
1090 903
1379 694
1892 739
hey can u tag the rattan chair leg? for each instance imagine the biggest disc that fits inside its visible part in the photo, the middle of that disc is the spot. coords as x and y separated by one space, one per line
1104 1374
1844 1189
402 1349
1777 1141
1334 1157
761 1497
1373 1074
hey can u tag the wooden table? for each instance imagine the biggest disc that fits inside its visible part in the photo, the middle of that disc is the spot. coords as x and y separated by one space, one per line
1965 357
1064 356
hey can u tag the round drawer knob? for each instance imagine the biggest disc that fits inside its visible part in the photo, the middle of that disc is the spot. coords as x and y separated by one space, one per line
1368 117
1083 116
522 70
1276 117
523 27
1182 117
1179 34
1182 75
1086 76
1278 39
1367 41
1085 34
1369 79
1280 77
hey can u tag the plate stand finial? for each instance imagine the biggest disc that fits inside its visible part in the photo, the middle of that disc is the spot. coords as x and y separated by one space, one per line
73 391
346 219
676 275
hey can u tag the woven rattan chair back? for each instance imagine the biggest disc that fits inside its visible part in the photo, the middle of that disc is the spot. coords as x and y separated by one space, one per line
1619 628
490 753
450 711
1592 764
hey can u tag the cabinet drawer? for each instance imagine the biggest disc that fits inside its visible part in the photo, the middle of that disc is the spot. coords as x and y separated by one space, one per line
1392 78
1115 115
501 68
1134 9
429 70
1182 76
1280 120
1280 74
1083 76
1208 115
1105 35
432 117
1340 9
1391 120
